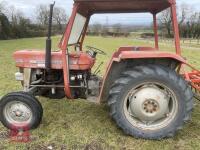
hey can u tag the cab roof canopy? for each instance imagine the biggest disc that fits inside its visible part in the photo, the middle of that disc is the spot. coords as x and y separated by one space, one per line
123 6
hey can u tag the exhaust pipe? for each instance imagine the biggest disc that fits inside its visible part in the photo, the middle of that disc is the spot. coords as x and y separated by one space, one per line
48 40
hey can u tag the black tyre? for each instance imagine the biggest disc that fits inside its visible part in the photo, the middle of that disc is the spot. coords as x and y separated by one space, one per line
20 110
150 102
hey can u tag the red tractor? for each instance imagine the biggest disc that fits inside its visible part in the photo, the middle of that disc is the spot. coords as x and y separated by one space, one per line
149 94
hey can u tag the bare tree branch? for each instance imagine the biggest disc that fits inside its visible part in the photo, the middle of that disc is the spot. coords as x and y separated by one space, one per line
42 15
60 17
165 21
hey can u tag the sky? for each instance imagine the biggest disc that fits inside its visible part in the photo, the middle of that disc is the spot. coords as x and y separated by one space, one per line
28 7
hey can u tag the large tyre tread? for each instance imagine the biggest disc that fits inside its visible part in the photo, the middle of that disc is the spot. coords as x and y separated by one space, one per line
136 73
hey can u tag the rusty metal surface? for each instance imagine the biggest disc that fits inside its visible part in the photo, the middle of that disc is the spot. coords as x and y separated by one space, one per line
192 76
102 6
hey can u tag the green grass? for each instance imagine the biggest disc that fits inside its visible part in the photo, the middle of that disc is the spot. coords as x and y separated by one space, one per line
78 124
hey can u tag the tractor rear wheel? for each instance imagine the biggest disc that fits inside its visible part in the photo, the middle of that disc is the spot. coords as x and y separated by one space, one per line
20 111
150 102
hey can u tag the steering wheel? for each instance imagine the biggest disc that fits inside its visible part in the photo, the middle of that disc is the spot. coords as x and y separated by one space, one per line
98 51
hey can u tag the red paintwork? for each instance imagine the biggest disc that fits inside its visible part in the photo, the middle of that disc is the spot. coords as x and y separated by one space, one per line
65 54
36 59
143 52
175 27
149 54
128 53
63 59
193 77
89 7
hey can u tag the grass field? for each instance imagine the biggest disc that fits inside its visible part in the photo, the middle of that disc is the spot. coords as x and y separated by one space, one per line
79 124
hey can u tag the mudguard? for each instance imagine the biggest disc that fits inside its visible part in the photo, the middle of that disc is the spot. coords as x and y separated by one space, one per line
120 58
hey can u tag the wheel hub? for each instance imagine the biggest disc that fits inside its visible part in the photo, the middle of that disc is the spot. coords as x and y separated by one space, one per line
17 112
149 104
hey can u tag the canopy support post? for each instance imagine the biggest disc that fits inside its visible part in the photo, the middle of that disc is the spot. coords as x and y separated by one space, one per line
155 26
175 28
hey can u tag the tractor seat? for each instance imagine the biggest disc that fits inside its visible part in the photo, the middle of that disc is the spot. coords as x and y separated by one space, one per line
36 59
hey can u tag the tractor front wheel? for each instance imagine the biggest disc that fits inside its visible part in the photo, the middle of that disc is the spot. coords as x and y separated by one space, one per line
150 102
20 110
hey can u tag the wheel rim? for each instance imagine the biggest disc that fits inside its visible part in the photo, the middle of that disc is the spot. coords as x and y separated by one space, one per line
150 106
18 113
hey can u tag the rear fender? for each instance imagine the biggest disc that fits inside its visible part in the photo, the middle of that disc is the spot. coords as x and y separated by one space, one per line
127 59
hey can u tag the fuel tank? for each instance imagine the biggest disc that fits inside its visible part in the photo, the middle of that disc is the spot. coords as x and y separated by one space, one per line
36 59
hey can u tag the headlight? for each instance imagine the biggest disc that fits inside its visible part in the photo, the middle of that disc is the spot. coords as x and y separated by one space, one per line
19 76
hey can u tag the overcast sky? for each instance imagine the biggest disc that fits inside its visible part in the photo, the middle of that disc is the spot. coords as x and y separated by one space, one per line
28 7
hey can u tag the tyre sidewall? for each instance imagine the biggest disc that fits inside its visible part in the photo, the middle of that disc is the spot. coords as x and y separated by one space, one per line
162 131
32 105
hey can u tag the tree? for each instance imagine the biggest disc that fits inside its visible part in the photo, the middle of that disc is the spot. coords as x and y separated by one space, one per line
96 28
184 13
15 15
42 15
2 7
117 28
165 21
19 24
60 17
193 24
198 28
13 23
4 27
